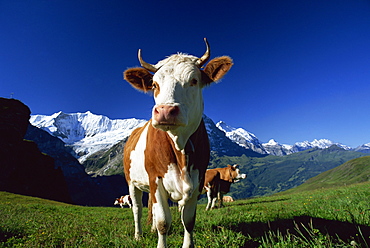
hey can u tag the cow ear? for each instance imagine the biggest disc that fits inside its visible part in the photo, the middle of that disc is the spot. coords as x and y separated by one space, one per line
216 69
235 165
139 78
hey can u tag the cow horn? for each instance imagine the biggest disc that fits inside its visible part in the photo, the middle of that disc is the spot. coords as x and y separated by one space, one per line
146 65
202 60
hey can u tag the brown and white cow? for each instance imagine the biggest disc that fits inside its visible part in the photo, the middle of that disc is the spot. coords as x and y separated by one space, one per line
123 200
169 155
218 181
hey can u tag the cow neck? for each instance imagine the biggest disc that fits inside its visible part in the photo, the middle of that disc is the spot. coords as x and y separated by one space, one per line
181 135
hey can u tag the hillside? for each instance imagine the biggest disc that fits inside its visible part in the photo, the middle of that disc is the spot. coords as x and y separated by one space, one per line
272 174
354 171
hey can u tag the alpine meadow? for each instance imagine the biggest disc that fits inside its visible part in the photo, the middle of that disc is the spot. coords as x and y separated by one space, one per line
314 216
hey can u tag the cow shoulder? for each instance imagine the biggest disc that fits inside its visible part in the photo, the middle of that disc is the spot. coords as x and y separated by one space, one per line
129 147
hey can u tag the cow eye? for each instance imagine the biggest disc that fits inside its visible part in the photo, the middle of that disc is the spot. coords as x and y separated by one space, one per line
154 85
193 82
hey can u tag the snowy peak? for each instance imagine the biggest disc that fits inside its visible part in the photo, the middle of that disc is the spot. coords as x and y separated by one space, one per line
242 137
365 148
271 142
321 143
224 127
274 148
86 132
221 143
250 141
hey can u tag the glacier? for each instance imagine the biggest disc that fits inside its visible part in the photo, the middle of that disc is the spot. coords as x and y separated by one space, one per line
86 132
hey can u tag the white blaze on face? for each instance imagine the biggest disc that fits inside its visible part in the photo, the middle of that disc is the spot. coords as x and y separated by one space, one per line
178 83
239 176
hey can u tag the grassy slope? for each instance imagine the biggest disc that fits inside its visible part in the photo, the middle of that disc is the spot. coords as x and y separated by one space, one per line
272 174
307 219
354 171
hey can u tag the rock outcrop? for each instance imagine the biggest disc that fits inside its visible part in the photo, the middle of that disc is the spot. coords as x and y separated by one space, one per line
24 169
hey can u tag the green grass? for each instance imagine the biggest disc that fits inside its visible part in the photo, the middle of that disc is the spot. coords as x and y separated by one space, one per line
353 171
337 217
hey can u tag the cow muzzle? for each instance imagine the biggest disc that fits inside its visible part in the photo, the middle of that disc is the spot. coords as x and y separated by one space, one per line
166 117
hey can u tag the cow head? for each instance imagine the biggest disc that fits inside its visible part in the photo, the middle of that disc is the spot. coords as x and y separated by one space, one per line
177 85
235 175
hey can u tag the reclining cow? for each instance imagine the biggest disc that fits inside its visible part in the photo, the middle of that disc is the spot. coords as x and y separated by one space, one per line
123 200
218 182
169 155
227 198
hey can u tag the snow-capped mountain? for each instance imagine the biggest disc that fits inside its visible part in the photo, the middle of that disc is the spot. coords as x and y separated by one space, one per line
242 137
365 148
222 144
321 143
274 148
86 132
250 141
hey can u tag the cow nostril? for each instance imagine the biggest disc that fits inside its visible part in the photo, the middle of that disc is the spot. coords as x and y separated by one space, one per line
156 111
174 111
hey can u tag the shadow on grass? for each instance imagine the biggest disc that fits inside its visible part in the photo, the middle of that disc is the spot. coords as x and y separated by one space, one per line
335 229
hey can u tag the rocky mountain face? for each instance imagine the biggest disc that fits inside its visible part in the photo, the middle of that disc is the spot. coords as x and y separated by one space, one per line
222 145
274 148
242 137
83 189
24 169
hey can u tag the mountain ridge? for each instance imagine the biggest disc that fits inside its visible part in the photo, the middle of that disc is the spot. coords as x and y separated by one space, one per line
87 133
250 141
267 174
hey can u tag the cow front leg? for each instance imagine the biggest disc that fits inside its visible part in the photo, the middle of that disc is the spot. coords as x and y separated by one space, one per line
209 197
161 214
188 220
137 209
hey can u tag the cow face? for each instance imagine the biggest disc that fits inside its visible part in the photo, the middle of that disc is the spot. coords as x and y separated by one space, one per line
177 86
235 175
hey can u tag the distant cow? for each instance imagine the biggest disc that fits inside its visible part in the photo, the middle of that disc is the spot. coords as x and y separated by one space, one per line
168 157
123 200
218 182
227 198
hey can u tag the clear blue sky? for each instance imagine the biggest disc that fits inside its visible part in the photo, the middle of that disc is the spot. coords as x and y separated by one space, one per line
302 68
